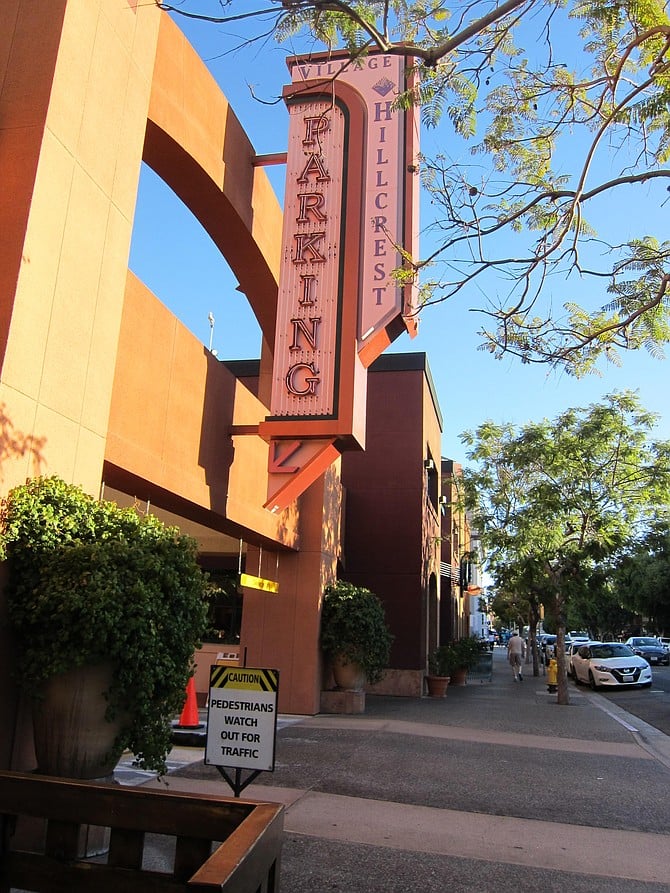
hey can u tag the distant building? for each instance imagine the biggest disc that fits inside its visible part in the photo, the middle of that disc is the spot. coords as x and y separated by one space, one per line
392 512
459 561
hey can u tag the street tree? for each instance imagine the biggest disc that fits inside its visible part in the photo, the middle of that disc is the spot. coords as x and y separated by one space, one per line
642 580
557 117
601 608
509 608
520 581
565 493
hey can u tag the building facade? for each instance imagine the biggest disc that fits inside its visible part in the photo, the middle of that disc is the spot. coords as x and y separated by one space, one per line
459 569
392 517
103 386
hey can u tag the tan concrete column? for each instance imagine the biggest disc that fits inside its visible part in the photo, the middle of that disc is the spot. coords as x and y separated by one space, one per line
76 78
282 631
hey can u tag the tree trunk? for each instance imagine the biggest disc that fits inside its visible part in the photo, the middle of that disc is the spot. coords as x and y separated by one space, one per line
563 696
534 618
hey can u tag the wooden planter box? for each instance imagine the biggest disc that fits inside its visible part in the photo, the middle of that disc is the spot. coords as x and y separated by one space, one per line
212 843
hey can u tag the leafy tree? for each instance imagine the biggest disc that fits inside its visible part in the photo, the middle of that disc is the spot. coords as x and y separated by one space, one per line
555 109
601 608
510 608
642 579
522 583
566 493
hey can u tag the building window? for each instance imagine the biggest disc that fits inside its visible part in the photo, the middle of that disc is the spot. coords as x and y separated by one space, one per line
432 482
225 608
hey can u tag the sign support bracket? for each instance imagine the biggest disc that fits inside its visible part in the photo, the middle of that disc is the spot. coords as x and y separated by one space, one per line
237 785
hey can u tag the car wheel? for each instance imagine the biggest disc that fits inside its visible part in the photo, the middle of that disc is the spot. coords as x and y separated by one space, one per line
592 682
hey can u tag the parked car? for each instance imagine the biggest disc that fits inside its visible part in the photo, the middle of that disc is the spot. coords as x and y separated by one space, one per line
665 642
608 664
576 639
547 646
570 653
650 649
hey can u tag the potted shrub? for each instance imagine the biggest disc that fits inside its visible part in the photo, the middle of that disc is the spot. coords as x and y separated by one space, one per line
92 585
442 662
456 658
463 656
354 634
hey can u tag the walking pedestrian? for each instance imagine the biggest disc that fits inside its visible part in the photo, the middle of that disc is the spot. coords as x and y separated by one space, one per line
516 654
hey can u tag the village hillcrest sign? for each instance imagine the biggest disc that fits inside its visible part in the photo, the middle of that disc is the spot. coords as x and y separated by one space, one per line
351 205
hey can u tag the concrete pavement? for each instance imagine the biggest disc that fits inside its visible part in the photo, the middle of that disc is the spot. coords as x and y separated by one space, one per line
495 787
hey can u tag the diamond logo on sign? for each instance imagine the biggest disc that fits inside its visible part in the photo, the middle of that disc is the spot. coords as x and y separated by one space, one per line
383 87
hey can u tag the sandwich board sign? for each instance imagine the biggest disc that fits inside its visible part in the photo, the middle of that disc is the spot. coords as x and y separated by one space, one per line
242 721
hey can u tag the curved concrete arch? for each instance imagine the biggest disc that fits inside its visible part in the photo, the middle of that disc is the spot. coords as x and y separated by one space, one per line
195 143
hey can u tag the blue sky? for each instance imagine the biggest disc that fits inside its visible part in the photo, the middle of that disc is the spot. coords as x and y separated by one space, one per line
176 259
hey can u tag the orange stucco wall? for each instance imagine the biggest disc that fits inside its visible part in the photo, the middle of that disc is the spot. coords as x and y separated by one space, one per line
99 383
173 404
196 144
73 106
80 81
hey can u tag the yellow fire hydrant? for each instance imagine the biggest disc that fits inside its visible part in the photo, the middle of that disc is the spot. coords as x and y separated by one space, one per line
552 676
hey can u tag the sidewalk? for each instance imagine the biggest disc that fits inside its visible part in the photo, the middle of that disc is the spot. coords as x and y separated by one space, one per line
495 787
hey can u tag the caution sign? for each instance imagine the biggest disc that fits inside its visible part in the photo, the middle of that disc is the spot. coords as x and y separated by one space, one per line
242 718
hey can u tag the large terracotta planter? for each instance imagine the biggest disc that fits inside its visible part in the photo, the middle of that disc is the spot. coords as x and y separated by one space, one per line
72 737
348 674
437 686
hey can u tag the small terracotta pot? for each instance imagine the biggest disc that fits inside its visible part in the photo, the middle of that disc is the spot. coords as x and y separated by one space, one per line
459 677
437 686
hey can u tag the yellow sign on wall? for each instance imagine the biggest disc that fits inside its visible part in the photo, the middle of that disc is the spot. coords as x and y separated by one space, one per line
258 583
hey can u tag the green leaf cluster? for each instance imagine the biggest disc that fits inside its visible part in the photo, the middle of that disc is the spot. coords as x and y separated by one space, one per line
555 499
353 624
564 104
461 654
641 581
90 582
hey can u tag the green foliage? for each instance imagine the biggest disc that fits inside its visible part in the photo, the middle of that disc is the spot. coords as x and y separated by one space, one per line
553 500
602 608
353 623
443 661
641 580
562 104
461 654
511 602
89 581
470 648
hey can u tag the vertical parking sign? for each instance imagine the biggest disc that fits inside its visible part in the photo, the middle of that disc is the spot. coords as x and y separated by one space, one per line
242 718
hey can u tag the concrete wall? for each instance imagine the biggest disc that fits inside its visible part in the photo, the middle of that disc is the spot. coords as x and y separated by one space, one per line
76 80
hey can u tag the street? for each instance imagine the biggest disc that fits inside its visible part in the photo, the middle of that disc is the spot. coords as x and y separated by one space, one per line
650 704
494 788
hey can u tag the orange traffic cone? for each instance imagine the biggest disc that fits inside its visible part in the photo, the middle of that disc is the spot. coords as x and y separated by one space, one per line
189 718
